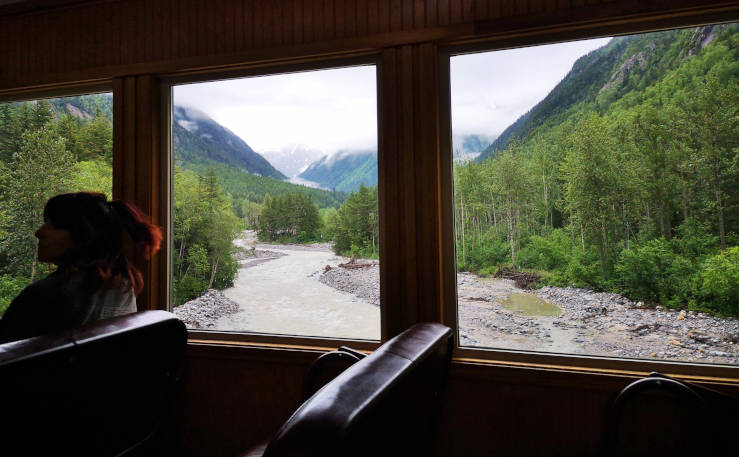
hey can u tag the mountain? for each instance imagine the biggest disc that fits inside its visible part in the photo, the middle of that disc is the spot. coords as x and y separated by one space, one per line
605 75
469 146
344 170
84 106
293 159
197 138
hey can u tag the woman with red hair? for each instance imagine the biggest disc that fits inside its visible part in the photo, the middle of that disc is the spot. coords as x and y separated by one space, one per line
92 242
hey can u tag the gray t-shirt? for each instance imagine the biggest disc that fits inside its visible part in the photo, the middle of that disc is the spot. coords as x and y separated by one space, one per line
62 301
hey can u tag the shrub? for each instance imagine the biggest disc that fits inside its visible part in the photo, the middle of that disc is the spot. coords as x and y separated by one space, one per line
186 288
655 272
10 287
550 253
490 252
720 282
583 269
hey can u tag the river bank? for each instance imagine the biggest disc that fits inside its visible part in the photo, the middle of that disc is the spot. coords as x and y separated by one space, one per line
585 322
302 290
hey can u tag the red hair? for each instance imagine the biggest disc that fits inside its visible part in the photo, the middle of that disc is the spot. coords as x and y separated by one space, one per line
106 235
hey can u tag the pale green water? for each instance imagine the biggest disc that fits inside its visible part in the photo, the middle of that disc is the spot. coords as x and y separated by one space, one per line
530 305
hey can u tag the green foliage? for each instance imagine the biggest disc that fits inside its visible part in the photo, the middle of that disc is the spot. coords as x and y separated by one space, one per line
204 229
355 228
241 185
624 178
290 217
720 282
655 273
43 168
93 176
583 269
10 287
41 144
546 253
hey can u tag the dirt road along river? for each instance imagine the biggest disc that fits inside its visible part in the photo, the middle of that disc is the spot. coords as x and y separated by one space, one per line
283 296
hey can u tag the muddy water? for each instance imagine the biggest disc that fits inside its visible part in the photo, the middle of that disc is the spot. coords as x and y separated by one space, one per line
530 305
282 296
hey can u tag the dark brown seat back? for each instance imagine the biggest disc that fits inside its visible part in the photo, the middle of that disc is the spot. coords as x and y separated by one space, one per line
106 388
383 405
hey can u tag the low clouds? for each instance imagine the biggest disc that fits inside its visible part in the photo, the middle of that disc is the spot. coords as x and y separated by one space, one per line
337 108
326 109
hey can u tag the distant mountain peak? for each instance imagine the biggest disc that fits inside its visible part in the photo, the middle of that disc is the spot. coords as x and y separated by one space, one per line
294 158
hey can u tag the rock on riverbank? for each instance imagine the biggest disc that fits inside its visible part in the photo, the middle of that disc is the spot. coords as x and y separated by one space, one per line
590 323
202 312
363 282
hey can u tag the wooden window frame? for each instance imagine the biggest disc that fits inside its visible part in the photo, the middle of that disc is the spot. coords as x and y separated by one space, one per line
403 311
412 81
581 363
246 338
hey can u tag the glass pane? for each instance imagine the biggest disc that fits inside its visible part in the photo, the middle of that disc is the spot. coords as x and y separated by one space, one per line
47 147
596 194
275 204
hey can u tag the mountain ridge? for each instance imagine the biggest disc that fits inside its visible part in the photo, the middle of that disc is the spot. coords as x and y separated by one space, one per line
344 170
605 75
199 137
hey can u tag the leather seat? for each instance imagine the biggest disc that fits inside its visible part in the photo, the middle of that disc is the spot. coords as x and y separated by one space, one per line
107 388
385 404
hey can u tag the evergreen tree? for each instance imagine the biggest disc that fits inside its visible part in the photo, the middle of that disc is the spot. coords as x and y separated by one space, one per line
43 169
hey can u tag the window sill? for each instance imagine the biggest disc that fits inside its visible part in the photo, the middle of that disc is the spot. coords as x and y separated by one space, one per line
601 365
258 340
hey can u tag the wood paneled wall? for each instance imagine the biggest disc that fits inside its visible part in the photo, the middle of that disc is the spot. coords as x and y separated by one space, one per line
103 39
235 396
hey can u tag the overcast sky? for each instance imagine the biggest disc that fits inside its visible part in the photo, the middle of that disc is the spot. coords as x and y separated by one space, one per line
337 108
490 90
326 109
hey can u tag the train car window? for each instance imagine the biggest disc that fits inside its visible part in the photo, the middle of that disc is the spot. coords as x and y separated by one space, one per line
275 227
596 196
47 147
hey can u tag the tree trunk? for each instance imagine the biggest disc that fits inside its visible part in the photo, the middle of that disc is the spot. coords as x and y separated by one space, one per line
719 205
582 236
213 270
511 235
626 225
684 196
461 223
546 201
33 264
602 250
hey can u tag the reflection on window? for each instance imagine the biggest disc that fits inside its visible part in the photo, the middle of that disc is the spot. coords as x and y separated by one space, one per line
596 194
47 147
275 204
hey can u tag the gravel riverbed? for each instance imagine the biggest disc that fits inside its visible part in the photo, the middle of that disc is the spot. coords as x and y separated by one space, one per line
582 321
588 322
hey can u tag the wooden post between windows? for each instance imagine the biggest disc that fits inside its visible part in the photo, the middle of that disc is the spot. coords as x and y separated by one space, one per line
139 172
411 285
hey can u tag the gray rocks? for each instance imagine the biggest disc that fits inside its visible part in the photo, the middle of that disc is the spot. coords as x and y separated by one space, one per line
363 283
204 311
593 323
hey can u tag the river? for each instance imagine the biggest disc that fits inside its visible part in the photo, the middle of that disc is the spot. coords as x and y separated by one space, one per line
283 296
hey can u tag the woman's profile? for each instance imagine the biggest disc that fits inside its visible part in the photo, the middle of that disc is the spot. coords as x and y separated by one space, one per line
92 241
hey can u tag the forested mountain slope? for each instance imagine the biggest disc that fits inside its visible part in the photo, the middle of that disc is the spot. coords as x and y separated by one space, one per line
200 143
625 65
344 170
624 178
199 138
